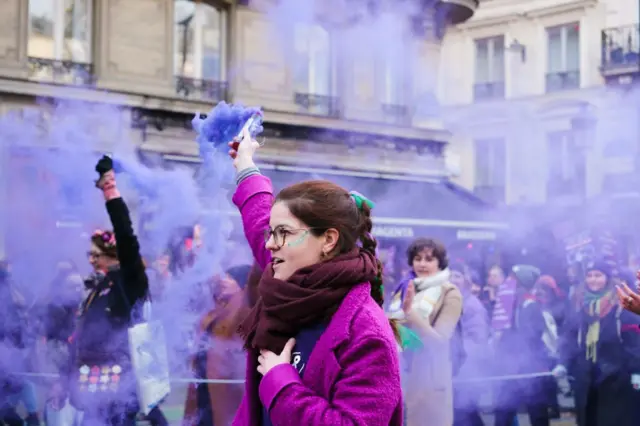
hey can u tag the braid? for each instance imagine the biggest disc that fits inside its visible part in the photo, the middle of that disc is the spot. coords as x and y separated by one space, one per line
370 244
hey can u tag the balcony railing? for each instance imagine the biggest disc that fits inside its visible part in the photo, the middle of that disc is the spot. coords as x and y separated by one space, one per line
562 80
65 72
201 89
490 90
318 104
397 114
621 49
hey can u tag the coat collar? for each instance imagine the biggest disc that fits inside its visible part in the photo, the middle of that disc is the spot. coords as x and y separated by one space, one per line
338 330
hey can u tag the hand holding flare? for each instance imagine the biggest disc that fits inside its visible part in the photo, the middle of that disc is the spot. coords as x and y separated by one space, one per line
107 179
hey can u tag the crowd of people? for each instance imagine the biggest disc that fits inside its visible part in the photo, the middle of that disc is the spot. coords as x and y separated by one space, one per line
316 333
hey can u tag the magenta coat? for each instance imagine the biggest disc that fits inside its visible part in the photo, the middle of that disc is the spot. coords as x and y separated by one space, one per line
353 373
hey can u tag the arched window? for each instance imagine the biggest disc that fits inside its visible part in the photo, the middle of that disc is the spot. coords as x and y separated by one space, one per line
60 37
199 41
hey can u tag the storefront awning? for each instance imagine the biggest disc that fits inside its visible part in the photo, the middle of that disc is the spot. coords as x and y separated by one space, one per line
406 207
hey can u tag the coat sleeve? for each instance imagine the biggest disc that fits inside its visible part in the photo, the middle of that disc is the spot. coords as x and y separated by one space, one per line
445 324
135 282
366 393
254 198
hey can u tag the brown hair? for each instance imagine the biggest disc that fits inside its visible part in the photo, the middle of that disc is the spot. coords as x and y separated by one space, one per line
322 205
105 241
438 251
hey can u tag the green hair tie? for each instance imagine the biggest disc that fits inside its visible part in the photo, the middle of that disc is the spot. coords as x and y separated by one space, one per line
360 199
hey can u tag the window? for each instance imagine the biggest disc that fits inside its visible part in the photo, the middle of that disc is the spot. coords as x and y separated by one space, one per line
563 57
489 68
313 75
566 164
59 30
199 44
491 168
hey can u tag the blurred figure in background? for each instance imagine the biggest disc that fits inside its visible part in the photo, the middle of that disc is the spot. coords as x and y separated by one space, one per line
554 308
221 354
429 305
520 349
601 344
495 278
474 326
12 345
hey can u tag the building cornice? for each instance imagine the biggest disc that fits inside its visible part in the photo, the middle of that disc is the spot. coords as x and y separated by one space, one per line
164 102
541 12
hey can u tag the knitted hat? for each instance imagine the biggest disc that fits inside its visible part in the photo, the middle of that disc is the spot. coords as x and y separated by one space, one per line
600 265
240 274
526 275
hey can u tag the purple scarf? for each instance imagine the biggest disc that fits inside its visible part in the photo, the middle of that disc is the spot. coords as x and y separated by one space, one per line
505 302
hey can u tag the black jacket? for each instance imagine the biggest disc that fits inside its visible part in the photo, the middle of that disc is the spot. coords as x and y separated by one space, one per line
105 315
603 389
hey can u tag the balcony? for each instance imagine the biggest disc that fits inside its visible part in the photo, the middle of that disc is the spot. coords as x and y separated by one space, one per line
310 103
396 114
456 11
621 54
61 72
562 80
487 91
209 90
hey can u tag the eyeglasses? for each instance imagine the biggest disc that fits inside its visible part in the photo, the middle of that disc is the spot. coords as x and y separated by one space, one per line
280 235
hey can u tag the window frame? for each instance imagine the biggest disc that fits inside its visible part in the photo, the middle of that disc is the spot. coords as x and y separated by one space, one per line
58 34
197 48
491 41
564 30
332 78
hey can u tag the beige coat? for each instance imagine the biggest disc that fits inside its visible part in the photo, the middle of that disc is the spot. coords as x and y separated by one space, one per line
429 383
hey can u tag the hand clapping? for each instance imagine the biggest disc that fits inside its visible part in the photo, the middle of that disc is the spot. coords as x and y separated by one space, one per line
629 299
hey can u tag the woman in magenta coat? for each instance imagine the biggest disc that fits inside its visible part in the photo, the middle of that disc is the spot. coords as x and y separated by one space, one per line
320 348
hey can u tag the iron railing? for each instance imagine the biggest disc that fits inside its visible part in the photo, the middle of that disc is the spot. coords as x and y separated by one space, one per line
562 80
489 90
620 47
397 114
202 89
61 71
318 104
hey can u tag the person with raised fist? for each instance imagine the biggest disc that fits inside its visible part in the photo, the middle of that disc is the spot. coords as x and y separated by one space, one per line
100 381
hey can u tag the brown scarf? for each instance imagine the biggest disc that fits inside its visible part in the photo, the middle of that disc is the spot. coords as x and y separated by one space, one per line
285 307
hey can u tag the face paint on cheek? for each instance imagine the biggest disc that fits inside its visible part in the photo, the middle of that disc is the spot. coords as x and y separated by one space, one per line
297 241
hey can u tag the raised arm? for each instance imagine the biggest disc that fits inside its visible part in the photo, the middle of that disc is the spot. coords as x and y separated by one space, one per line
253 196
135 281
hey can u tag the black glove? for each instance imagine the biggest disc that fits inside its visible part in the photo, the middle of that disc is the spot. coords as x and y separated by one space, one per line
105 164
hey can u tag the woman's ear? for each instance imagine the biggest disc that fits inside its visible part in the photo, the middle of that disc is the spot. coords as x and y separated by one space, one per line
331 237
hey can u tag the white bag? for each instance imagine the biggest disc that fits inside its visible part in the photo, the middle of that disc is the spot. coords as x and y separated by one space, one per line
65 416
149 361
